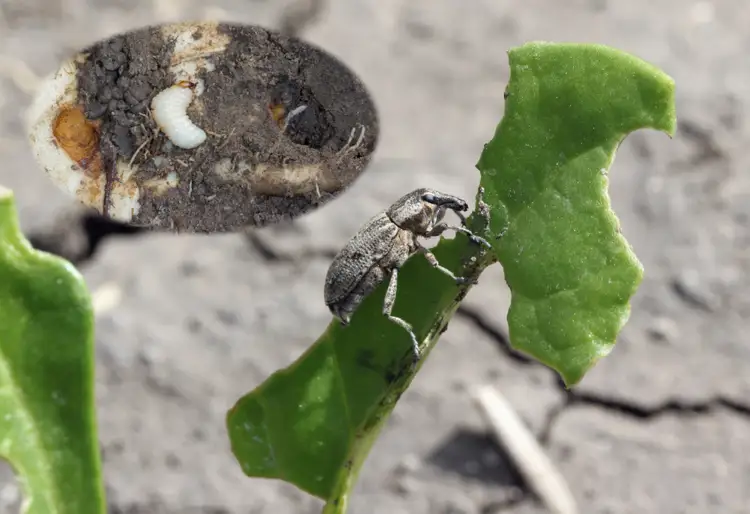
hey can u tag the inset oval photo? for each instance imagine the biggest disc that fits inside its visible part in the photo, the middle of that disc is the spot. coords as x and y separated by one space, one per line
203 127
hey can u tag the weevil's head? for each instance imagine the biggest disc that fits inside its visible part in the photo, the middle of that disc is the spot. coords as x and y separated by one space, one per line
421 209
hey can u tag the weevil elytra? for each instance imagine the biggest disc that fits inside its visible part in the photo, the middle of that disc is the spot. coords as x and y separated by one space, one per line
381 247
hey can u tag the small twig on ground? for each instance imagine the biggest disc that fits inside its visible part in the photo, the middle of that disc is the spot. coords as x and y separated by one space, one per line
519 443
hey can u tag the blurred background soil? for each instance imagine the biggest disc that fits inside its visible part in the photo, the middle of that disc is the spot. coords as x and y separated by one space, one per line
190 323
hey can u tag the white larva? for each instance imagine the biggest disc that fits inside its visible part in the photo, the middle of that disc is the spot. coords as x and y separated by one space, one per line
169 109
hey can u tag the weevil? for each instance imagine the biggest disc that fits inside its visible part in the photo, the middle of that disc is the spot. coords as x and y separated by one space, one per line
381 247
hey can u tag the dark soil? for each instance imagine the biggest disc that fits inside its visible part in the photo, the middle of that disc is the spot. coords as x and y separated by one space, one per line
118 80
257 82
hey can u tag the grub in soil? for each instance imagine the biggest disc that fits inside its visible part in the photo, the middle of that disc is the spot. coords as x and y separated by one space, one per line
289 127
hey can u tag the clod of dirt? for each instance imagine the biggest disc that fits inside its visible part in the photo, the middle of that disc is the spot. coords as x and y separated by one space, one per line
288 127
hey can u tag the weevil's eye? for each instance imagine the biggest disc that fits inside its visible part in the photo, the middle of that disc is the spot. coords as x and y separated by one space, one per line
429 198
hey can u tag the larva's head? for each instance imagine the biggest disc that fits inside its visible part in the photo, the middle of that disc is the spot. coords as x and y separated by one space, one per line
186 84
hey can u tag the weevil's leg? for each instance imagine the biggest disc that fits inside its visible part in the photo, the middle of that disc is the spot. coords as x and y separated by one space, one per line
472 236
442 227
435 264
390 299
475 238
437 230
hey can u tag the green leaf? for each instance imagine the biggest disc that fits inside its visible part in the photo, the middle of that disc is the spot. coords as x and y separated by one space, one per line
47 417
313 423
570 271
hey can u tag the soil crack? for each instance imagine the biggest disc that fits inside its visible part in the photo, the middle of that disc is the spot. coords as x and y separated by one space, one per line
669 406
271 254
76 237
576 397
639 412
495 334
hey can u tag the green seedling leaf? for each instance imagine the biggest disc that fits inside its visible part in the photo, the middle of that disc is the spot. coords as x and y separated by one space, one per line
313 423
47 418
570 271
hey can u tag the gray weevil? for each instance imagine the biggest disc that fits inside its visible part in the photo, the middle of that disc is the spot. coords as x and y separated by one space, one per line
382 246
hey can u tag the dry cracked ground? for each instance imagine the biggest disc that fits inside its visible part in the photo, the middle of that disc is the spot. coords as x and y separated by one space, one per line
660 426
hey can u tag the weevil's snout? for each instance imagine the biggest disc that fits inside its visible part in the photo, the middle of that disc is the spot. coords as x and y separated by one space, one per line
447 201
456 204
